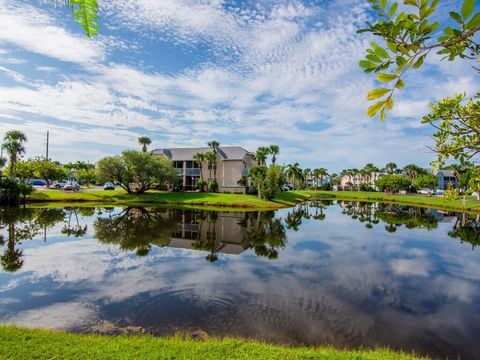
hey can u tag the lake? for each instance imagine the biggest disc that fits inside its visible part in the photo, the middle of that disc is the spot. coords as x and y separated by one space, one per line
349 274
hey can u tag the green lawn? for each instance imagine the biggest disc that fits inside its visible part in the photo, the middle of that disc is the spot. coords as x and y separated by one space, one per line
18 343
121 197
419 200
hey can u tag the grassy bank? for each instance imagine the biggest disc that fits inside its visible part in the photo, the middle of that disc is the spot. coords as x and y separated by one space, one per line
209 200
18 343
471 204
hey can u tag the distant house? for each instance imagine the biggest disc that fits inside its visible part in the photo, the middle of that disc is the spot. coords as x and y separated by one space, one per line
231 168
355 180
445 177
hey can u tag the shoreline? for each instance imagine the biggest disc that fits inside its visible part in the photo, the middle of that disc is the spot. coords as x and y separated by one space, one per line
471 205
28 343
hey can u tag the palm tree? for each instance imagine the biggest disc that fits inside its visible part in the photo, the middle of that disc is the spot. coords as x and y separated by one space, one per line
306 173
321 173
369 170
199 158
294 172
274 151
261 155
144 141
13 143
210 158
390 168
214 145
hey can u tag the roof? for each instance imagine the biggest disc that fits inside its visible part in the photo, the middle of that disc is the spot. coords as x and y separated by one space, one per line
449 173
225 152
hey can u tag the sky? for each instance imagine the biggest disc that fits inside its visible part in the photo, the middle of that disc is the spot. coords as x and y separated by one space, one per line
184 72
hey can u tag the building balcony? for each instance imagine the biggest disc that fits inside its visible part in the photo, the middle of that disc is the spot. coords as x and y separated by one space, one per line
188 171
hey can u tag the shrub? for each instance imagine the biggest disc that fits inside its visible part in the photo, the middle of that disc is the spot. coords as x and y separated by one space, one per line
392 183
201 184
326 186
451 193
367 187
213 186
425 182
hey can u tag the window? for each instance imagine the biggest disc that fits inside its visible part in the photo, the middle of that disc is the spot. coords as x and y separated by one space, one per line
189 164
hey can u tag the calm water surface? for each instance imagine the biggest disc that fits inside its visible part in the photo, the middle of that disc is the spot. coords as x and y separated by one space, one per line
348 274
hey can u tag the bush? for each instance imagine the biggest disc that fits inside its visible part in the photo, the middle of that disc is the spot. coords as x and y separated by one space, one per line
451 193
12 190
213 186
326 187
367 187
393 183
201 184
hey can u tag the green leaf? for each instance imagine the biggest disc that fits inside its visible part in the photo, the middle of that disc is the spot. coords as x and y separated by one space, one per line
467 8
384 4
382 115
389 103
410 2
393 9
381 52
375 108
377 93
419 62
373 58
386 77
456 17
400 84
85 13
474 22
366 64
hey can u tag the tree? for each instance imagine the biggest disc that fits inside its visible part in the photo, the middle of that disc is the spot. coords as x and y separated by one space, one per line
306 174
135 171
46 170
199 158
392 183
13 143
211 159
267 236
390 168
86 176
410 36
370 171
412 171
144 141
428 181
294 173
274 151
261 155
457 128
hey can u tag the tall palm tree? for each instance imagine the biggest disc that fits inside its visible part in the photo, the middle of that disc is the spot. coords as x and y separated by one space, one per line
261 155
369 171
321 173
306 174
144 141
294 172
199 158
214 145
13 143
210 158
274 151
390 168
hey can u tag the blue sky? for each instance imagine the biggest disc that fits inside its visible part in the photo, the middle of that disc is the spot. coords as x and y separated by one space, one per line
184 72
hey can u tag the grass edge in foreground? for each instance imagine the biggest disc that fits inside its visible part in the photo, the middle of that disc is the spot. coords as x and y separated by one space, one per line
23 343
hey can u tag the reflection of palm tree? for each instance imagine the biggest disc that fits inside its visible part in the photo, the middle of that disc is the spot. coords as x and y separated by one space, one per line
74 230
294 219
469 232
267 236
391 228
11 259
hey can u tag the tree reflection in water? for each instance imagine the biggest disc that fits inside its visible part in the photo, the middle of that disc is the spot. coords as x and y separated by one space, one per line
23 224
467 230
136 228
267 235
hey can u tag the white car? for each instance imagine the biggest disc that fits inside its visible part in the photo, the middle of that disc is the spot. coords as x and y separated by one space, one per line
71 185
59 184
426 191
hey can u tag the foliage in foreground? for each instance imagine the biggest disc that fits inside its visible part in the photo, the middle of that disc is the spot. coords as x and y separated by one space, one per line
44 344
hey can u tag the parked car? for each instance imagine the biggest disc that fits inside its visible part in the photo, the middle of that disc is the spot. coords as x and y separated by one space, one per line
109 186
59 184
37 182
439 192
287 187
71 185
426 191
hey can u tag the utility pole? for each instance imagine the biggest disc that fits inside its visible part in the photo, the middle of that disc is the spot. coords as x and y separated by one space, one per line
46 155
